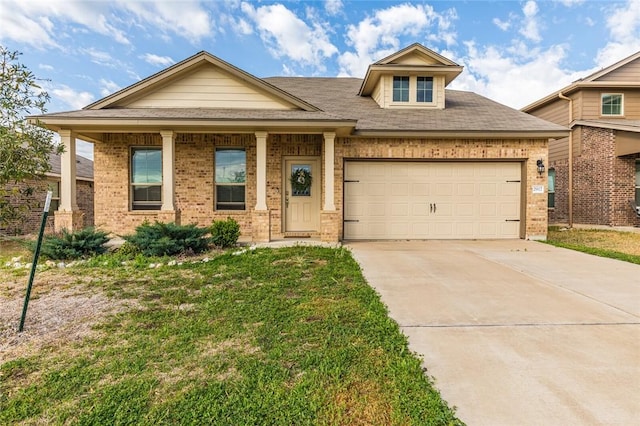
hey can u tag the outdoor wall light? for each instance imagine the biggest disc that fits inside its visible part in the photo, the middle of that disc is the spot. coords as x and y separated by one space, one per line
540 165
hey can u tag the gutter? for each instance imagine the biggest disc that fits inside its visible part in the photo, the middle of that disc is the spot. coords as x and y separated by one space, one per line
570 185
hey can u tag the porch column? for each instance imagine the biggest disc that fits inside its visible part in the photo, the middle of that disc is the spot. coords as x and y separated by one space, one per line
68 171
329 160
330 224
168 212
68 216
168 167
261 170
261 217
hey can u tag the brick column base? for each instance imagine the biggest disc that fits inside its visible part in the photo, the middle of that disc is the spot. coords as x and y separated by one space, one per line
167 216
69 220
330 226
261 226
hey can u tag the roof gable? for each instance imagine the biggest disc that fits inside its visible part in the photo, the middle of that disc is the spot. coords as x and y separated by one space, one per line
607 73
202 81
412 59
416 54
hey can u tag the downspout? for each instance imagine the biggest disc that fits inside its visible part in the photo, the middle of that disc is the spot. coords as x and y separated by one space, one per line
570 184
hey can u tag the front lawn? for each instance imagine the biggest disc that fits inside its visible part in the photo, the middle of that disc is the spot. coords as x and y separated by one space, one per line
600 242
290 336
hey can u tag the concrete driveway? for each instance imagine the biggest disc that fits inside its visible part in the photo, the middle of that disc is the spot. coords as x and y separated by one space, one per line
516 332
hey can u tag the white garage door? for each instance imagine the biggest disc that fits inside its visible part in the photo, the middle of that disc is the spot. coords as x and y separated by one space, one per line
438 200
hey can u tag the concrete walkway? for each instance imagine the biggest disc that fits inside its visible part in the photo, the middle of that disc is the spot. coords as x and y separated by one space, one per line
516 332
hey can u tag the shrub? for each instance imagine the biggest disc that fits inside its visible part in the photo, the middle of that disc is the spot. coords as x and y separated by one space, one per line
225 233
85 243
168 239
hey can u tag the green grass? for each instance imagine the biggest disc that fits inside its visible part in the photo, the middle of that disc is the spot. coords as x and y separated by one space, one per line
623 246
290 336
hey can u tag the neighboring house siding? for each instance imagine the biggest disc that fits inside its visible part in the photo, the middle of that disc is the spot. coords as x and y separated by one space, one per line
30 222
628 73
603 183
592 99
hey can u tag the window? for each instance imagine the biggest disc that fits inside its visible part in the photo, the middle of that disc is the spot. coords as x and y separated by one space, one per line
551 202
146 178
638 184
424 91
400 89
231 174
611 104
54 187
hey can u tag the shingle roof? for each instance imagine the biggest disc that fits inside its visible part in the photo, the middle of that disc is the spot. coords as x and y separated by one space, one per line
84 166
338 100
464 111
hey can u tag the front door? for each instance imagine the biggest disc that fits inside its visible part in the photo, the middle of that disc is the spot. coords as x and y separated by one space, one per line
302 183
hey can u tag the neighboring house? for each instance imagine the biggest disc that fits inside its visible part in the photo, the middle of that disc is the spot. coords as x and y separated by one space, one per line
594 174
395 155
32 195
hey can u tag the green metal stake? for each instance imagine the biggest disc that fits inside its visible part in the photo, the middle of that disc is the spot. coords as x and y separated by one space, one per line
36 254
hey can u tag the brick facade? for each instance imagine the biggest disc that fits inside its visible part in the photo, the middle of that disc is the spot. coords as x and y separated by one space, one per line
29 223
603 184
195 170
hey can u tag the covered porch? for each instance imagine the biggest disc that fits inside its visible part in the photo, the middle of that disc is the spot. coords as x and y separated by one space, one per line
190 184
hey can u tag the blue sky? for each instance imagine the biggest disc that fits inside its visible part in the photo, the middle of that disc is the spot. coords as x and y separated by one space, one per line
514 52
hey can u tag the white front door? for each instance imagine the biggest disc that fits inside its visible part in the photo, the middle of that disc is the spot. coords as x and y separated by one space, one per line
302 183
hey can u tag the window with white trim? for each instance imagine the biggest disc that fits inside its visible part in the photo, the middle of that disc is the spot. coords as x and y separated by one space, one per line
551 201
424 89
612 104
146 178
400 89
231 176
54 187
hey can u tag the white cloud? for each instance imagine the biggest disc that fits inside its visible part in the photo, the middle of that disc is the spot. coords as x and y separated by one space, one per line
46 67
163 61
37 22
379 35
333 7
571 3
624 28
515 76
186 18
531 26
107 87
99 57
503 25
73 98
286 35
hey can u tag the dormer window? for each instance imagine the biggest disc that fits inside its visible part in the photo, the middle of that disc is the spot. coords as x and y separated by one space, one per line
413 91
400 89
414 77
425 89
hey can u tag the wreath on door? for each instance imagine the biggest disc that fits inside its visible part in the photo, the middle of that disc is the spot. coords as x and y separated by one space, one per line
300 180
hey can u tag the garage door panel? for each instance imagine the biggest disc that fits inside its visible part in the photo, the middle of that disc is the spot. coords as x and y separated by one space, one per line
376 189
465 189
400 209
399 189
398 200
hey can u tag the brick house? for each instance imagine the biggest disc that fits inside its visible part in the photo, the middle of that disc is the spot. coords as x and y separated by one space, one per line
32 193
594 173
393 155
